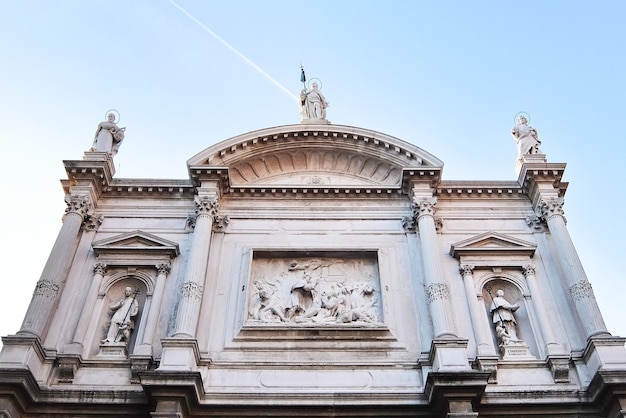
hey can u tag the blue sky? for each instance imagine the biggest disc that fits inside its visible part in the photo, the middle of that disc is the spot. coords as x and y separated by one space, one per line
446 76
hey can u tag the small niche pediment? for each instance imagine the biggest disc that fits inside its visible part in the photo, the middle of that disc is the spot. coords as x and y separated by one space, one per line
135 248
493 244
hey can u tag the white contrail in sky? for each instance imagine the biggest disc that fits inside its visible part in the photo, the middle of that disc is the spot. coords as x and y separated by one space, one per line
227 45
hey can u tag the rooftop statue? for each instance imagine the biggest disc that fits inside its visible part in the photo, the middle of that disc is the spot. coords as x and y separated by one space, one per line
312 102
526 137
108 136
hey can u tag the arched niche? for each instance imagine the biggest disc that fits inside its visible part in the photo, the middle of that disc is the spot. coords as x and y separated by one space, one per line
111 291
516 293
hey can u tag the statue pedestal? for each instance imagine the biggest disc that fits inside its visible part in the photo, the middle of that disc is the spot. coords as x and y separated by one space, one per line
315 122
516 351
113 351
529 159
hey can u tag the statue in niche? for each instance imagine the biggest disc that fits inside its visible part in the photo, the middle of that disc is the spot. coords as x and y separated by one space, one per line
123 319
504 319
525 137
108 136
313 103
314 291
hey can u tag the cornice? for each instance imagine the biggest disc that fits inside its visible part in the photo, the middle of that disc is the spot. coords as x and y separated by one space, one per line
479 189
344 137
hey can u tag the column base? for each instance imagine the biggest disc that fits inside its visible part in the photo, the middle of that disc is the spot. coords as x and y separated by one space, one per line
179 354
605 352
25 352
449 355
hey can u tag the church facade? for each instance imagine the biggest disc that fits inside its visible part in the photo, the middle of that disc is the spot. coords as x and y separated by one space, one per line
312 270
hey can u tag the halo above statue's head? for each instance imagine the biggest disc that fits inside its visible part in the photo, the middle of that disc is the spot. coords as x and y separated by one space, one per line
115 113
316 81
519 115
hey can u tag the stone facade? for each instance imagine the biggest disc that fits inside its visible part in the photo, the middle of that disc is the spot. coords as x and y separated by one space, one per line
313 270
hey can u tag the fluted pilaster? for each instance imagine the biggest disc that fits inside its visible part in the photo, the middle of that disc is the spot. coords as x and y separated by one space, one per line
99 269
482 332
163 270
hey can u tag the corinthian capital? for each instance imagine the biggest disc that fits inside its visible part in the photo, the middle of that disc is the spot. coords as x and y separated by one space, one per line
99 268
425 206
79 204
551 207
529 270
164 268
207 205
466 269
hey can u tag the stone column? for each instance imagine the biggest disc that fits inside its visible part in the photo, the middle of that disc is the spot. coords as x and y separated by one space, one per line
155 307
579 287
437 290
55 270
193 286
448 352
90 301
482 332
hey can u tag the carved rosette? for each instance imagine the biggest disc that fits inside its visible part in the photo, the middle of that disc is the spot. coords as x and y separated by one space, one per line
164 268
581 290
528 270
46 288
551 207
437 291
100 268
191 290
466 269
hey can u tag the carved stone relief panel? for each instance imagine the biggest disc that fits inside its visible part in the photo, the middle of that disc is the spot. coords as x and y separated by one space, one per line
319 288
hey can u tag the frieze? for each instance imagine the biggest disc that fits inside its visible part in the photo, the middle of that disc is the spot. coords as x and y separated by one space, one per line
325 290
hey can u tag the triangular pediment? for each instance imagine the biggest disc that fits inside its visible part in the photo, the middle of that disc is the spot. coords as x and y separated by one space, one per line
136 246
492 244
314 155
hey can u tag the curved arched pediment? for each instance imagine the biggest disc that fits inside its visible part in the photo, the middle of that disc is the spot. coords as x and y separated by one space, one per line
301 155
